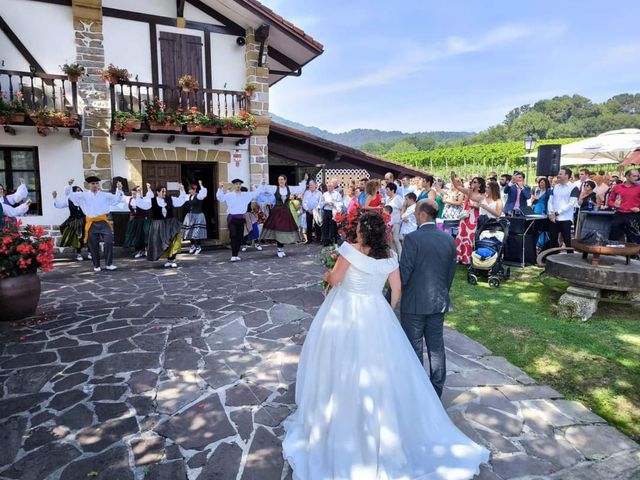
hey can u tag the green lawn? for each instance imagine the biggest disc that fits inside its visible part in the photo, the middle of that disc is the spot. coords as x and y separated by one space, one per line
596 362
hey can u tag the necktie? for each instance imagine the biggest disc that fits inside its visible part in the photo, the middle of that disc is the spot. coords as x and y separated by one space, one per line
517 205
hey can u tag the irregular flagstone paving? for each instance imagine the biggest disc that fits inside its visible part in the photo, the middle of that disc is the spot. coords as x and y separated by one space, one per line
147 373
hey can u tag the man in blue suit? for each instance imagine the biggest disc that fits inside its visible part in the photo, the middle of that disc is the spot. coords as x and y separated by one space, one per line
517 193
427 268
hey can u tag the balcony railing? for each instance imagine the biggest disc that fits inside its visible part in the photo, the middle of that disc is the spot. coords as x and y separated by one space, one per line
133 96
39 91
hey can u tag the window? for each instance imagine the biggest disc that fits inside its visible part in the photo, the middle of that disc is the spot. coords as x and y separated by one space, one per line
17 163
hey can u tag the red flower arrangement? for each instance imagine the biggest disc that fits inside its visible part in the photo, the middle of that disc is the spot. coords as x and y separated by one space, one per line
348 222
24 251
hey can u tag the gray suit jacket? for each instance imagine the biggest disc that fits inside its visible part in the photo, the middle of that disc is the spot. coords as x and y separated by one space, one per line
427 268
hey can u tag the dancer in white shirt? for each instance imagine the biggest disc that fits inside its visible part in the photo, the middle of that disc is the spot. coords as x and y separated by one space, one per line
137 233
72 228
237 203
15 198
194 227
96 205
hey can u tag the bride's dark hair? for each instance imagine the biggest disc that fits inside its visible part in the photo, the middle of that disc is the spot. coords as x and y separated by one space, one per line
373 231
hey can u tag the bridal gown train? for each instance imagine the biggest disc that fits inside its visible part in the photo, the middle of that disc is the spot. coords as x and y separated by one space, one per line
366 407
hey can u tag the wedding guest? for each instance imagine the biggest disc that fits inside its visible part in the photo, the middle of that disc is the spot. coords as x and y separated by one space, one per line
491 206
541 197
517 193
311 205
587 198
373 200
465 239
396 202
252 229
407 216
453 202
405 186
426 189
625 198
72 229
266 201
362 197
347 198
562 203
331 204
138 226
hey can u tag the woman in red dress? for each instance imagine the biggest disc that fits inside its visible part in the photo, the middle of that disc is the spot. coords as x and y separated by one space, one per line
374 199
467 229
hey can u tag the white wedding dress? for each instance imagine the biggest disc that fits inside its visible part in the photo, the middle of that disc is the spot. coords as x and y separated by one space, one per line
366 407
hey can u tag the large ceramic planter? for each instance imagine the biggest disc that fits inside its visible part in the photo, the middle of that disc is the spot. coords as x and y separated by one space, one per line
19 296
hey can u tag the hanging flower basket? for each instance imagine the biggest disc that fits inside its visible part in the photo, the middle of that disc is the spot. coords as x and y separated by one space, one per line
201 129
164 127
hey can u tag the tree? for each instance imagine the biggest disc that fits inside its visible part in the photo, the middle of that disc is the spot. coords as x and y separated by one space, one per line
402 147
532 122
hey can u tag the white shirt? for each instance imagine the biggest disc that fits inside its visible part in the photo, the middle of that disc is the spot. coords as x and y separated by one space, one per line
297 190
311 200
402 191
396 203
408 220
95 204
144 203
201 195
21 194
563 201
332 200
237 201
14 212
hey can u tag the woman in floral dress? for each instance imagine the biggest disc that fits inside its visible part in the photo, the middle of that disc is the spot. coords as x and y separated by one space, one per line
467 230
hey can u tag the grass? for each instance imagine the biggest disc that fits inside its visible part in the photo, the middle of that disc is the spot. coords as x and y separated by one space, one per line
595 362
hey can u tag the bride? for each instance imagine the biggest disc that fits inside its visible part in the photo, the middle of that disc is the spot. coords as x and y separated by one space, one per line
366 408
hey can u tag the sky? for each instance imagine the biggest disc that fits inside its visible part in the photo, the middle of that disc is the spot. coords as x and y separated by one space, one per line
456 65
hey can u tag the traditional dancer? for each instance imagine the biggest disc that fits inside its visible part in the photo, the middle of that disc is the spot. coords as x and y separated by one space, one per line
72 228
237 202
194 227
15 198
281 226
138 227
164 234
12 212
96 205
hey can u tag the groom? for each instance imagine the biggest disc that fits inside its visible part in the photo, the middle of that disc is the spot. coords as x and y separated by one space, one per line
427 268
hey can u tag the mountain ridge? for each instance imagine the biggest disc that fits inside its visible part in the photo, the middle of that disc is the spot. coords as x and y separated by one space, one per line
360 136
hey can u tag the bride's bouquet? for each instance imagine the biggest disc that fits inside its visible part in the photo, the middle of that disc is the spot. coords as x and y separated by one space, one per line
328 257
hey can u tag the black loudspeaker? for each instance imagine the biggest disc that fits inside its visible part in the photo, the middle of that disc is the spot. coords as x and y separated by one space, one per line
548 160
514 249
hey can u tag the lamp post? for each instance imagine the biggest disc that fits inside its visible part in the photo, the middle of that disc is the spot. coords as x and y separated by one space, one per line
529 146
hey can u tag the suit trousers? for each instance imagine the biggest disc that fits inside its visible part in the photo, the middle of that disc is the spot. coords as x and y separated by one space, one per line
329 228
560 227
430 327
236 234
101 232
313 229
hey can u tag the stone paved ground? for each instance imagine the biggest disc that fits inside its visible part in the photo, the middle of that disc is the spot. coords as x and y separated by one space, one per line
147 373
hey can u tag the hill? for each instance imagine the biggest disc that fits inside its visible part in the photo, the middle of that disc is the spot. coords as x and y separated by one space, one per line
361 136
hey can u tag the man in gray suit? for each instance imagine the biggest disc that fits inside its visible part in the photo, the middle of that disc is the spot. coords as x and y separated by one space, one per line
427 268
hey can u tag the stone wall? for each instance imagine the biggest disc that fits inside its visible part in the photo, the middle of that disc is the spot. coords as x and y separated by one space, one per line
259 106
93 93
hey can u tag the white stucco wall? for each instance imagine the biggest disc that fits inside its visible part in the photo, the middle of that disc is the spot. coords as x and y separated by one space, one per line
164 8
197 15
45 29
227 63
60 158
10 57
127 44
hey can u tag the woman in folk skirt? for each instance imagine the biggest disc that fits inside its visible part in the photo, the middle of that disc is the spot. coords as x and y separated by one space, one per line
138 226
194 227
164 235
73 227
281 226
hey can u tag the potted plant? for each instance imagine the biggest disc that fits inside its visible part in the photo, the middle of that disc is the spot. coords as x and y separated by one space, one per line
200 122
188 83
126 122
22 253
160 118
45 118
242 124
112 74
13 111
73 70
249 88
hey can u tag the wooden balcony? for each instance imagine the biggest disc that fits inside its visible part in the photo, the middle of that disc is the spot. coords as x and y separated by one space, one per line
38 92
133 97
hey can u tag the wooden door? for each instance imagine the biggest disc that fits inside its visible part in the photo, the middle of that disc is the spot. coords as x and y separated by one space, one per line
160 174
180 55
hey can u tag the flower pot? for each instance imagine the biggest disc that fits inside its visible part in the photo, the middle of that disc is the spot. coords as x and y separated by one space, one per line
73 77
164 127
202 129
186 89
19 296
134 124
12 118
245 132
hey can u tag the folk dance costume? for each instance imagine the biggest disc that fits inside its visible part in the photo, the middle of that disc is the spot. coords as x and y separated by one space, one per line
96 207
194 227
12 212
138 227
281 225
164 234
15 198
72 228
237 203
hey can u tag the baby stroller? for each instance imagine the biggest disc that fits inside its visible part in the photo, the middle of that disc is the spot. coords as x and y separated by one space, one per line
487 258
